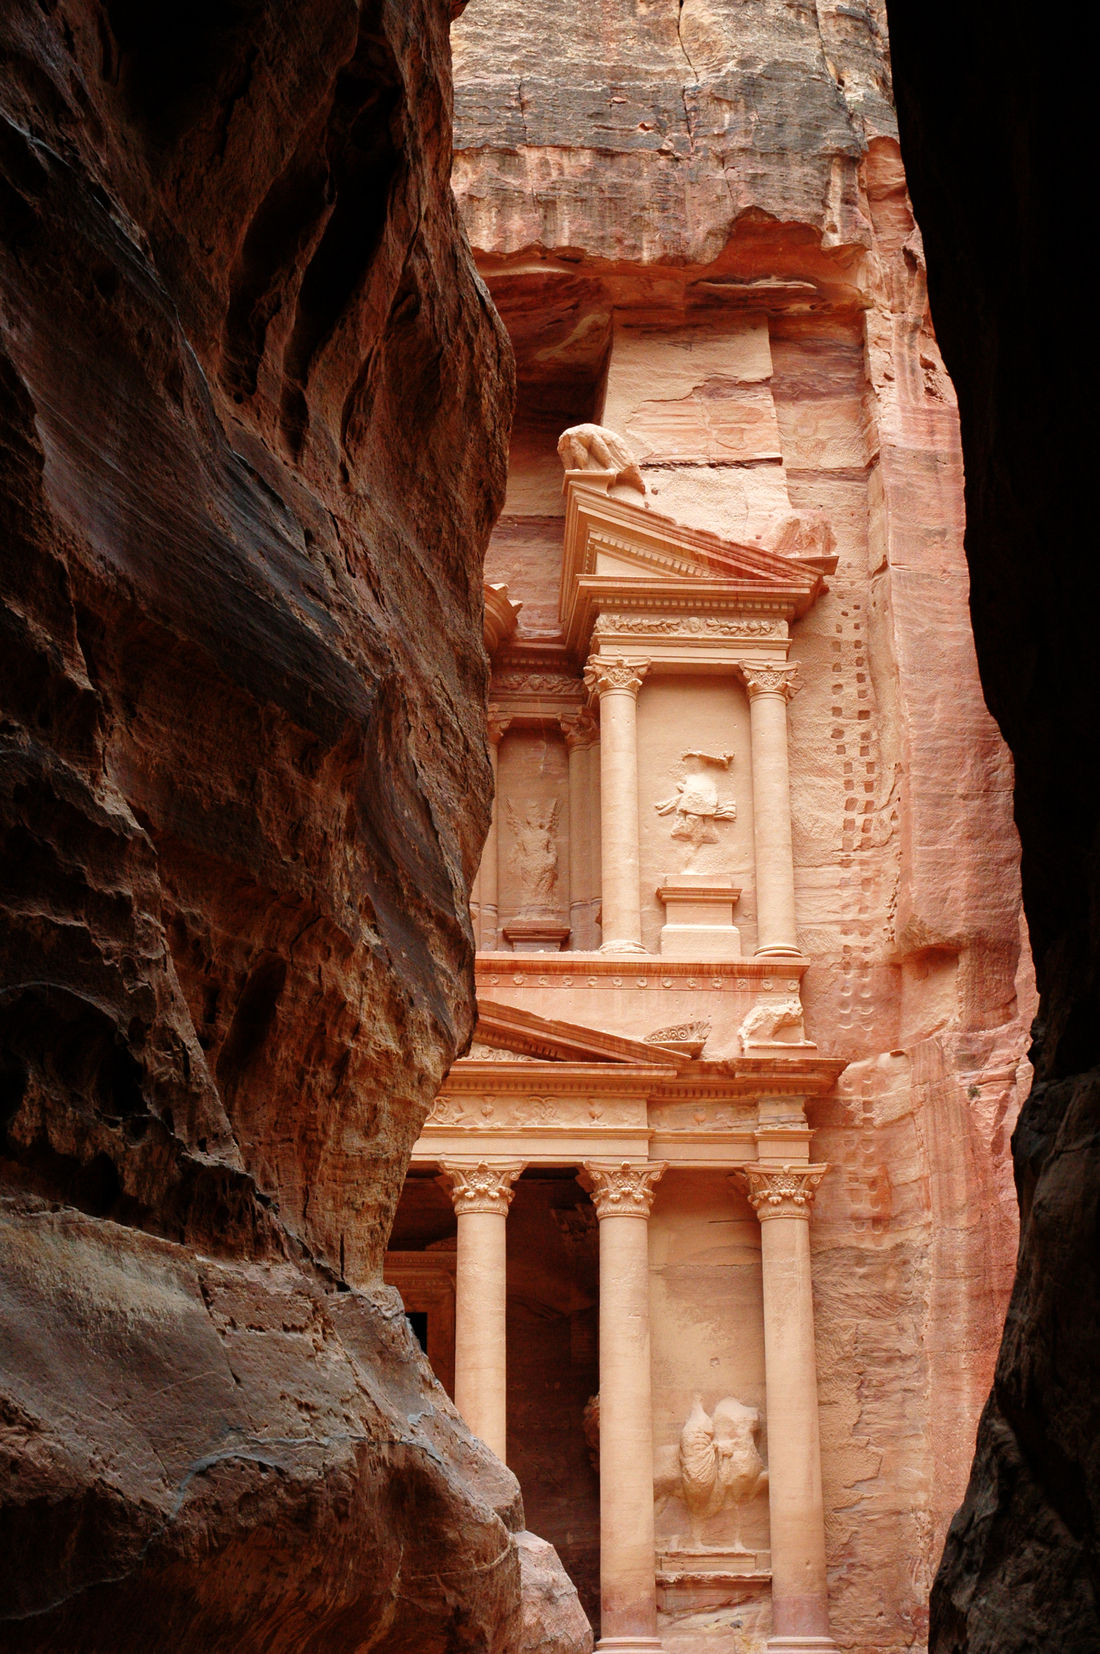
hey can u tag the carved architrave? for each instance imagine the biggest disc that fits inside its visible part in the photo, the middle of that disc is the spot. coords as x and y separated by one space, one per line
624 1188
581 730
603 674
781 1191
770 680
477 1186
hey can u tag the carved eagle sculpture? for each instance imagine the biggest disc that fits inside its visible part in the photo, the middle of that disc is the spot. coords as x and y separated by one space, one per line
720 1465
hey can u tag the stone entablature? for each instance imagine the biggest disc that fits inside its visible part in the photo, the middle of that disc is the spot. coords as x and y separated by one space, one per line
609 1099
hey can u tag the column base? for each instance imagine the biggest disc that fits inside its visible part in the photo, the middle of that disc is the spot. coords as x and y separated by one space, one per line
630 1645
622 947
801 1645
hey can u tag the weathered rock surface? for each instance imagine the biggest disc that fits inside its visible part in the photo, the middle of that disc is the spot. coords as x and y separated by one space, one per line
996 123
254 414
694 219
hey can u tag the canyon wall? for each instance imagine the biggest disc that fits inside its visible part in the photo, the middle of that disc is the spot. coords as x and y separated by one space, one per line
694 221
255 414
996 122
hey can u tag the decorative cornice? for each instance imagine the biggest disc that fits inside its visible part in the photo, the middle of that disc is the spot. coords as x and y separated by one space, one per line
780 1191
477 1186
624 1189
581 730
603 674
770 680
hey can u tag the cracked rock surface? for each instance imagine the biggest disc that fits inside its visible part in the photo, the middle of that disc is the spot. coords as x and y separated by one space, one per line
253 407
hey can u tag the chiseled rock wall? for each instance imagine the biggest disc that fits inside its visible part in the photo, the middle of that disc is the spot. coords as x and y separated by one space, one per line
255 408
674 168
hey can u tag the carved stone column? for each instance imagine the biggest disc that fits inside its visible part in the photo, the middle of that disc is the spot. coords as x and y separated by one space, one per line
482 1194
580 737
782 1197
489 871
617 683
623 1194
770 688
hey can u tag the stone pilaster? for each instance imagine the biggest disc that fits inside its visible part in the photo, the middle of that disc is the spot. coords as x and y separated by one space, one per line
482 1193
616 682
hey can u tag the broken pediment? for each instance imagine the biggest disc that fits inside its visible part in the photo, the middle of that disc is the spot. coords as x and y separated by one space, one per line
619 555
506 1034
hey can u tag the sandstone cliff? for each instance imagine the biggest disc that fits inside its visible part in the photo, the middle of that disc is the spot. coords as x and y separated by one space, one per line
640 178
255 406
997 128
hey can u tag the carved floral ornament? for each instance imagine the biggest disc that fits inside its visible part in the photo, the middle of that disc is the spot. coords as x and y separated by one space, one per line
497 724
771 680
624 1189
582 730
781 1191
481 1187
689 626
603 674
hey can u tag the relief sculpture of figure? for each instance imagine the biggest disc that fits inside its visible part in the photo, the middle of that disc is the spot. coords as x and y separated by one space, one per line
717 1467
535 854
696 804
595 448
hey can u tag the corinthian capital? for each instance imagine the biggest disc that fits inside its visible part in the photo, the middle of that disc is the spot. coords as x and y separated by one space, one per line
581 730
604 673
771 680
476 1186
781 1191
624 1188
497 724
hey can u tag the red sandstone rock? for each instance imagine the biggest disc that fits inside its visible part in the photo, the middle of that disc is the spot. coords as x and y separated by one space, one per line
254 415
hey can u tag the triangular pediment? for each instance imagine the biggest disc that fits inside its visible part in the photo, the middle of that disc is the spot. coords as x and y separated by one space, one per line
504 1033
616 548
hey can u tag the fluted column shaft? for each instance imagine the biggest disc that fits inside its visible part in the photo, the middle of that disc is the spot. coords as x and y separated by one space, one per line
782 1197
623 1195
769 689
482 1194
617 683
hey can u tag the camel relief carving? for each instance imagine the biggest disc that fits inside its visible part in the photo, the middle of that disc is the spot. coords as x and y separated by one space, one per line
716 1467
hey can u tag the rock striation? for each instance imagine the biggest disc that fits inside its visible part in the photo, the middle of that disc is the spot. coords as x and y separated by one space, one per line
255 410
995 129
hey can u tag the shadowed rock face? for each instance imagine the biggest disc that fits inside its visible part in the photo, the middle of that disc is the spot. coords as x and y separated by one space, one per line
993 114
254 413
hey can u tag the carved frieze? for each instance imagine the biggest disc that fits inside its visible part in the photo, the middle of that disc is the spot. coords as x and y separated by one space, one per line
623 1189
552 684
781 1191
689 626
